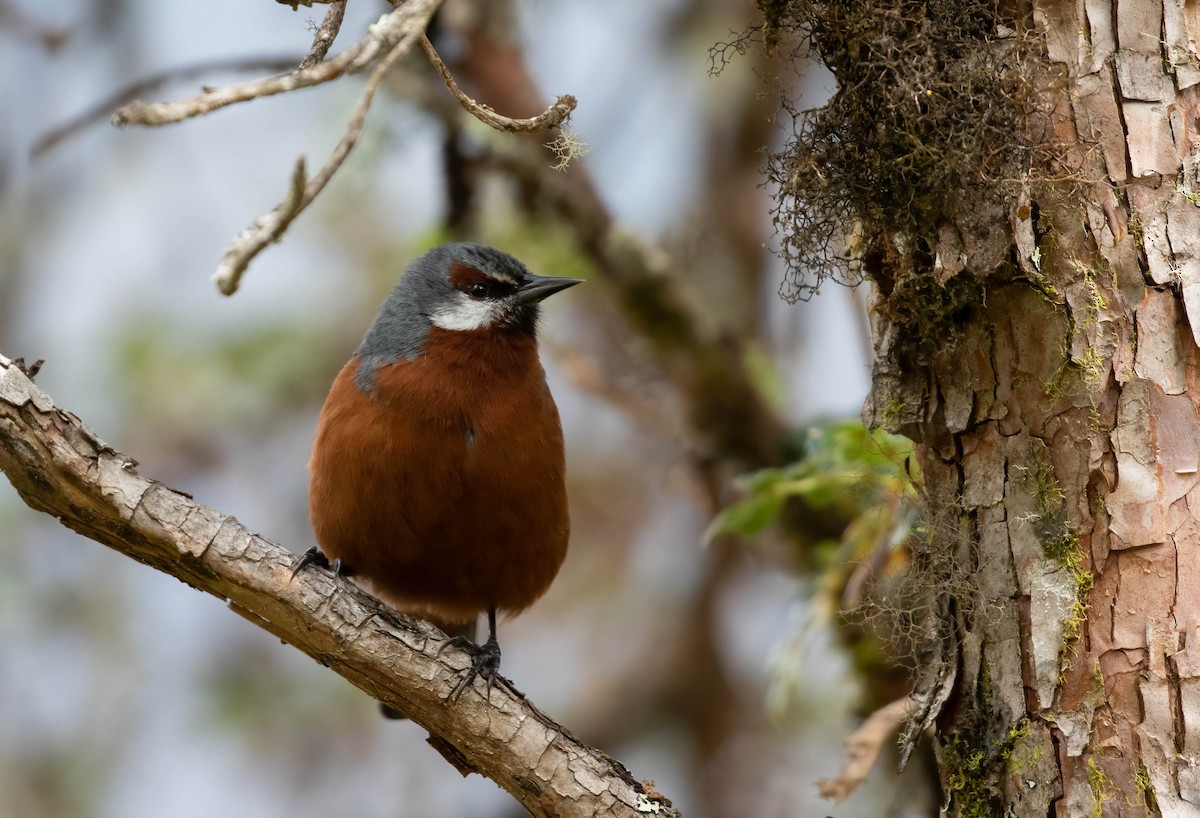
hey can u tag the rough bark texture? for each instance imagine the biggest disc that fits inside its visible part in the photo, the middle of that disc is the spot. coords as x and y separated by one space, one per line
61 467
1059 426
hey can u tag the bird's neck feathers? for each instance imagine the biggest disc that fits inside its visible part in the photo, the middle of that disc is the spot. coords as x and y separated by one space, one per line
455 372
491 350
399 335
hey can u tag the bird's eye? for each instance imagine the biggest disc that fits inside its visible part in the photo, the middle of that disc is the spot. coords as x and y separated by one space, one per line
479 290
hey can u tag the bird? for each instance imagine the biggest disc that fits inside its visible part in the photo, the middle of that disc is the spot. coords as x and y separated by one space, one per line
437 476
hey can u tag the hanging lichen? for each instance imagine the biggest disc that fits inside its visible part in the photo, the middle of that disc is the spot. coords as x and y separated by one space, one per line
929 126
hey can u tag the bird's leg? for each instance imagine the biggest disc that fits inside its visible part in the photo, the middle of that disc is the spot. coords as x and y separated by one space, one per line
485 660
314 556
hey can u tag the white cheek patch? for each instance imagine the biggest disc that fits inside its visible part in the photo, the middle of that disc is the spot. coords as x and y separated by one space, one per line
466 313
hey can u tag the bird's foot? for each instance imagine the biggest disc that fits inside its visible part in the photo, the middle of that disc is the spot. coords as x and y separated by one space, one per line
485 664
462 639
314 556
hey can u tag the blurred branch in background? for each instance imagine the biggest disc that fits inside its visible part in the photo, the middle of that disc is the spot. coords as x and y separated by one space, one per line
60 467
102 110
269 228
863 747
552 117
392 37
19 25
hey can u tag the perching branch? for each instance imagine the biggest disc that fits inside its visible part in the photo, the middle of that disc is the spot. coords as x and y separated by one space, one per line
267 229
552 117
402 24
59 466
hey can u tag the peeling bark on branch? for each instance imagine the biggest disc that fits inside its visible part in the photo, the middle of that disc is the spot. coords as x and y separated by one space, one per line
59 466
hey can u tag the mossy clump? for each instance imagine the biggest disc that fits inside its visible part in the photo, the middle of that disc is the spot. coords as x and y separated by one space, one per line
964 769
928 123
929 315
1022 752
974 759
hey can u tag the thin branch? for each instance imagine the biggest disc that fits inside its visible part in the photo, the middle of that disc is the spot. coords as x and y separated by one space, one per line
326 34
400 25
552 117
103 110
61 467
267 229
862 748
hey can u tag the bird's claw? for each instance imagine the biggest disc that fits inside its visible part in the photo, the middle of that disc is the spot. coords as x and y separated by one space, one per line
314 556
485 664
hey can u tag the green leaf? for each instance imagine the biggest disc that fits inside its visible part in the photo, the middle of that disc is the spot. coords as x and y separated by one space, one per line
747 517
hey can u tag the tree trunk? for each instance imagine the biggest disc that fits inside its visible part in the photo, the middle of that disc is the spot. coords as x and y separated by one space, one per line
1056 416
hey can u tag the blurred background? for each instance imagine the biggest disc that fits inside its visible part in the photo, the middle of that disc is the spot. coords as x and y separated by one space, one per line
710 657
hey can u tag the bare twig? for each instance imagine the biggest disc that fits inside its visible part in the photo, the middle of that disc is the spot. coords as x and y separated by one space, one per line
326 34
267 229
103 110
862 748
552 117
400 25
61 467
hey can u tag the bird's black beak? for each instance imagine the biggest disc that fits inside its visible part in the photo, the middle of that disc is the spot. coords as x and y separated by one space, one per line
535 288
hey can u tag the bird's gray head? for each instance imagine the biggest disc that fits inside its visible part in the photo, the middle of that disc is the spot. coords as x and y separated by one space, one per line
458 287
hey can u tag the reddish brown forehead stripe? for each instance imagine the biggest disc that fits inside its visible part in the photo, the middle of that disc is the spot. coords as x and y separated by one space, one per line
464 275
